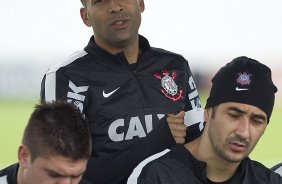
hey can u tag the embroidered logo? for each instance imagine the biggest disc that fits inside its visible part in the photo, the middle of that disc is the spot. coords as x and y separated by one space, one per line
244 78
106 95
169 87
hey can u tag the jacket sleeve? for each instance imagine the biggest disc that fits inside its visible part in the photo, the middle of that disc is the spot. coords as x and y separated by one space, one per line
153 173
194 118
42 89
143 181
192 99
49 86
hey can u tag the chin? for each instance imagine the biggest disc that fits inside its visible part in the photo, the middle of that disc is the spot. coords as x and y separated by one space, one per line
235 158
124 38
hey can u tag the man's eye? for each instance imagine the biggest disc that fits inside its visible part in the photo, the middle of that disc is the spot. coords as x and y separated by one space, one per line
258 121
234 115
97 1
54 175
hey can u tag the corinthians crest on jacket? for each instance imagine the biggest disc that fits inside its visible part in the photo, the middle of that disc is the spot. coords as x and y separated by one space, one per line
169 87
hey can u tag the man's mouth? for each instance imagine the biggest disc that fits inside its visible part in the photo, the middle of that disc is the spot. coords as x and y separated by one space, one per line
120 24
237 147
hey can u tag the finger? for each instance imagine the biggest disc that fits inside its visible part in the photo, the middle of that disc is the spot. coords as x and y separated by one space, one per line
170 115
179 140
175 120
181 114
178 134
174 126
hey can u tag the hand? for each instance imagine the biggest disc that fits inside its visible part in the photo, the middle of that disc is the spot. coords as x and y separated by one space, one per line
177 127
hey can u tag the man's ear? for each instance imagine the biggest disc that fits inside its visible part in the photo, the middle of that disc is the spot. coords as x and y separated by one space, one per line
84 16
23 155
207 114
142 5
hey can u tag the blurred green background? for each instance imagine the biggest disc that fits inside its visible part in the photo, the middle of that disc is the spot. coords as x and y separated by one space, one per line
15 114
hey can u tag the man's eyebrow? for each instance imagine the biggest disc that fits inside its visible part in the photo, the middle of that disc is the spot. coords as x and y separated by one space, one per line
53 172
233 108
62 175
260 116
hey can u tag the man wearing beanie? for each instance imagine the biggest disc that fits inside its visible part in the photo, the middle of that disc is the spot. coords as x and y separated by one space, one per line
237 113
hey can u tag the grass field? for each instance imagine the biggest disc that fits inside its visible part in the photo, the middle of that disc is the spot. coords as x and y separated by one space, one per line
14 115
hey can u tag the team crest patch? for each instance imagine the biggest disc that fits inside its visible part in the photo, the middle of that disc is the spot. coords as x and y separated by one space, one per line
169 87
244 78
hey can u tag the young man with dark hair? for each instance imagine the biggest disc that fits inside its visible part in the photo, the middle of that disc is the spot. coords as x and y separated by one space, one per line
55 147
134 95
236 115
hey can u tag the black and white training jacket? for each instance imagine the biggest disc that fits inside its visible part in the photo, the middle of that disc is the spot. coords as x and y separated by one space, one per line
9 174
179 166
125 105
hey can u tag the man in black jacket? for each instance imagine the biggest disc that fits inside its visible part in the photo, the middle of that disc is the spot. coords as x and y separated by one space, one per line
133 95
236 115
55 147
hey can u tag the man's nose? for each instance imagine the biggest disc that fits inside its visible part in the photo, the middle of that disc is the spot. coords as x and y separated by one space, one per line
66 180
115 6
243 128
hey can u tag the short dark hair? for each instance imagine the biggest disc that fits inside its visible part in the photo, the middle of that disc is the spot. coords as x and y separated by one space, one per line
57 128
214 108
83 3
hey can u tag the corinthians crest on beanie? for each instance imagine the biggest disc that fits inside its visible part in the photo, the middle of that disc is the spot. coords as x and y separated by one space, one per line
243 80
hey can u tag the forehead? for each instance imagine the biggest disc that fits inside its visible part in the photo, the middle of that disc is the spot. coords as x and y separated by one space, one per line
243 107
61 165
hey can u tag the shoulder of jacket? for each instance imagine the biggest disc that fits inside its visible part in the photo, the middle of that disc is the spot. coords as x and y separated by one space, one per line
165 52
69 60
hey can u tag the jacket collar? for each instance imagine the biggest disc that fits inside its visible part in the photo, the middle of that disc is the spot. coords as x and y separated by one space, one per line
200 167
93 48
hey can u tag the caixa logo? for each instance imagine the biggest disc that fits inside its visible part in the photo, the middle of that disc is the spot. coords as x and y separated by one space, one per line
135 127
75 97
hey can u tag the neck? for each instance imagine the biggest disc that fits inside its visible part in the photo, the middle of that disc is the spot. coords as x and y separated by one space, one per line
220 172
131 53
218 169
131 49
20 176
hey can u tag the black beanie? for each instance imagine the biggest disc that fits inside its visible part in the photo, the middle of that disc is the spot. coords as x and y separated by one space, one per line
243 80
